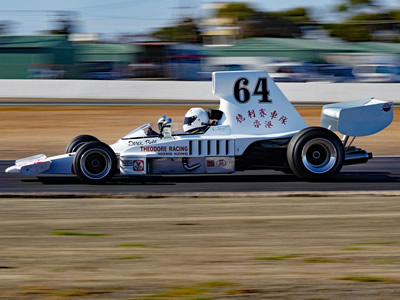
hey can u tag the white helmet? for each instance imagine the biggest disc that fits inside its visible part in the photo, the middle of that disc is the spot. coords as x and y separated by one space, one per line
196 117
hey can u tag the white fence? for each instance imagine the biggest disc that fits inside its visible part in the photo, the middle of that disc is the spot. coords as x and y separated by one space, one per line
184 90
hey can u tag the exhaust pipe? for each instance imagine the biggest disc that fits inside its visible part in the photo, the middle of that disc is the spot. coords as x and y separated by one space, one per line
185 163
357 157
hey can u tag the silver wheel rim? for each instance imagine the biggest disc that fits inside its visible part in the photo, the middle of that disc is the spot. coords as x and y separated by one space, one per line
319 155
95 164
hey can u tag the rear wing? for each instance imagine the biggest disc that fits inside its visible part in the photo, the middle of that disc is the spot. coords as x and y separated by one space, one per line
357 118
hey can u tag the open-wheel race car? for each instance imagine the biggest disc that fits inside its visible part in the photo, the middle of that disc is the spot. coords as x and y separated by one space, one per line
255 127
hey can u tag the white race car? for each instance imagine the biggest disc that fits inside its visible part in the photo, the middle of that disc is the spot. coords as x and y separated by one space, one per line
255 127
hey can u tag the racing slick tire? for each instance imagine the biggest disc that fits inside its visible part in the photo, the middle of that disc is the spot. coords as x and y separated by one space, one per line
315 153
78 141
287 171
95 162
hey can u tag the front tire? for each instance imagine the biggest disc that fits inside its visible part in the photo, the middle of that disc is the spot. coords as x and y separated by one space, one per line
95 162
315 153
78 141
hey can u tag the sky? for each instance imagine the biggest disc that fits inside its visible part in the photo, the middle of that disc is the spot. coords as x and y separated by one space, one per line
111 17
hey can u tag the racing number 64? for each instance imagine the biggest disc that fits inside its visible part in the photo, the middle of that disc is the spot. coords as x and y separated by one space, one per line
242 94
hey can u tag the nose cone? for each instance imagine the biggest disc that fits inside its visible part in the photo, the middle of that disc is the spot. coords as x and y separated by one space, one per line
13 169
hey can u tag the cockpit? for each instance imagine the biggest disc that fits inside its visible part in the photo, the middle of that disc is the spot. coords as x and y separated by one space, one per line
197 121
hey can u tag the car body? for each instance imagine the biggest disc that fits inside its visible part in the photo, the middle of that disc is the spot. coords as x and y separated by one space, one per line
255 127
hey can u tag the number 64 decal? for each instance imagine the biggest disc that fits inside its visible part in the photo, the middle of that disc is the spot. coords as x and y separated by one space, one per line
242 94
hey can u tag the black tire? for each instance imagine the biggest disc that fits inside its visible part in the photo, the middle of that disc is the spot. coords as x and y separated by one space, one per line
95 162
78 141
315 153
287 171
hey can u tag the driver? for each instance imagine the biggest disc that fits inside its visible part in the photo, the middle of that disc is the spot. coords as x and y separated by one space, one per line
197 120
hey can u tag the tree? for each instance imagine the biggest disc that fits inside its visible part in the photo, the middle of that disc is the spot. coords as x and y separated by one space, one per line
240 11
355 5
6 27
65 23
255 23
364 19
251 22
184 32
297 15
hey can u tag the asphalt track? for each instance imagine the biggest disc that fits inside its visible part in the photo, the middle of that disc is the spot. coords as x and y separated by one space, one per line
379 174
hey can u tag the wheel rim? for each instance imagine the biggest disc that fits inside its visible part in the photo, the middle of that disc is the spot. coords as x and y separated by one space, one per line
95 164
319 155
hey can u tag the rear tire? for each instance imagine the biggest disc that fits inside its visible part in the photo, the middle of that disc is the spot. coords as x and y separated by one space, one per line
95 162
78 141
315 153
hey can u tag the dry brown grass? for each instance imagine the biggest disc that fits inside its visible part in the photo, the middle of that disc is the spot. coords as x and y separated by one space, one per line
253 248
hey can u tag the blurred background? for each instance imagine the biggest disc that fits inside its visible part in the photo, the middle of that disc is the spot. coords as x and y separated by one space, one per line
295 41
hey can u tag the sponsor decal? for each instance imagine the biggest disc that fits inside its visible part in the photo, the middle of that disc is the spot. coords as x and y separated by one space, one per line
240 119
251 114
273 117
126 163
167 150
138 165
221 163
386 107
210 163
219 128
153 148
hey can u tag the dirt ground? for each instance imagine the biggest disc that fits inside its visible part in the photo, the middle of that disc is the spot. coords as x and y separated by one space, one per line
25 131
200 248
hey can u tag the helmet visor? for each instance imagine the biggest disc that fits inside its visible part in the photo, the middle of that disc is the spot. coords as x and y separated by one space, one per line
189 120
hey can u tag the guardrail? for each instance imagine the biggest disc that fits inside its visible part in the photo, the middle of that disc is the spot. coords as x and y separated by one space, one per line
186 90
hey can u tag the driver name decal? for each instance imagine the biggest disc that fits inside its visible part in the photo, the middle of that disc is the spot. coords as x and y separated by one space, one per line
141 142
